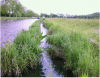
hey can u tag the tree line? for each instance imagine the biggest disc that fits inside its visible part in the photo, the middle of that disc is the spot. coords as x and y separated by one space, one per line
89 16
48 16
13 8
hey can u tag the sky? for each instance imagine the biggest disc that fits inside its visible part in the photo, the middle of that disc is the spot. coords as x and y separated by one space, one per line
71 7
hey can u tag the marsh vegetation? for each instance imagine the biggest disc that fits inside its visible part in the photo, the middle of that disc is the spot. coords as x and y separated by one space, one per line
76 41
23 53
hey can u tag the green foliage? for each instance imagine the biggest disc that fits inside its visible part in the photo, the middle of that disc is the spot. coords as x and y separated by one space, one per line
23 53
89 16
47 24
15 8
80 53
53 15
4 10
48 16
42 14
84 75
29 13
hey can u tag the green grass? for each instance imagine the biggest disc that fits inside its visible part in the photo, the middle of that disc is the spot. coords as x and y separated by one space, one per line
87 28
9 18
23 52
78 40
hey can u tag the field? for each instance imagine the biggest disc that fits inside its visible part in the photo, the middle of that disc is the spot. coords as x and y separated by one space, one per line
23 53
77 41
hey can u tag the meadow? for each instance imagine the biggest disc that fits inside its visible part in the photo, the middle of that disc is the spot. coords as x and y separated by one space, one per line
23 53
77 41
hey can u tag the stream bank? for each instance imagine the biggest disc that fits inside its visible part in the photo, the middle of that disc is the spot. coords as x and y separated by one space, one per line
23 53
49 67
27 56
68 40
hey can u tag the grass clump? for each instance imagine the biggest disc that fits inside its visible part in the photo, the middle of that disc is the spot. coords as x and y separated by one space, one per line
23 53
84 75
74 40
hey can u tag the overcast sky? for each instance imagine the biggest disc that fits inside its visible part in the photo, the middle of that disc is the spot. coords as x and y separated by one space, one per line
72 7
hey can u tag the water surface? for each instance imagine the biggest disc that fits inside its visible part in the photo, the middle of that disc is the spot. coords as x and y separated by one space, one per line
47 64
46 68
10 29
52 67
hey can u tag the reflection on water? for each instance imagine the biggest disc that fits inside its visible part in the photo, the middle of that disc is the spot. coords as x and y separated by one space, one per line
46 68
10 28
47 65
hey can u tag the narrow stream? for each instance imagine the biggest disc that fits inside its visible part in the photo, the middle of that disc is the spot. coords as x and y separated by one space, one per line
47 64
52 67
47 68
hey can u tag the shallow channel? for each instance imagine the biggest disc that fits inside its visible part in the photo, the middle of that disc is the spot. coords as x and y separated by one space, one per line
47 64
51 67
46 68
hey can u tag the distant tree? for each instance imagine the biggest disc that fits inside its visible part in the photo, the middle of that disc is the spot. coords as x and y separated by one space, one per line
4 7
54 15
15 8
30 13
4 10
89 16
19 9
41 15
36 15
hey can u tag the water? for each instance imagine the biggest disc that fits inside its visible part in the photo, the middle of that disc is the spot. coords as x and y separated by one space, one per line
10 29
52 67
47 64
46 68
49 67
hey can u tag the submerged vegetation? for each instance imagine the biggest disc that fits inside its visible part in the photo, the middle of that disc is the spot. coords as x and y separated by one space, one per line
23 53
77 41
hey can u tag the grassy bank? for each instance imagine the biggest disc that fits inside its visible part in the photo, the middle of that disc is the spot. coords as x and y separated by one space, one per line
23 53
15 18
77 41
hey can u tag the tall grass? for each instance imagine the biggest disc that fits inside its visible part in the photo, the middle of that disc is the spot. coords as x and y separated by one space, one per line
74 37
23 53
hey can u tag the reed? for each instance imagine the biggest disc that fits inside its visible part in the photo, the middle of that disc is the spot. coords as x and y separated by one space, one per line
73 37
23 53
